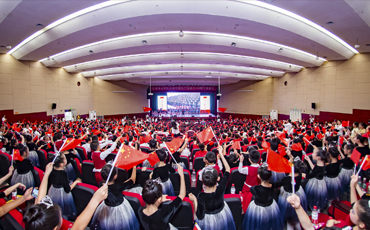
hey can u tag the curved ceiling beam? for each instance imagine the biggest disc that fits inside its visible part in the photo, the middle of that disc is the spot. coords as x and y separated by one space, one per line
211 68
246 10
172 37
181 74
186 57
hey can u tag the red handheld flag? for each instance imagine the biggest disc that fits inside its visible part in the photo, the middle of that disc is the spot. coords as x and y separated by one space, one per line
345 123
222 110
278 163
17 155
175 144
306 141
281 150
153 158
236 145
297 147
355 157
70 144
366 165
265 145
146 109
205 135
128 157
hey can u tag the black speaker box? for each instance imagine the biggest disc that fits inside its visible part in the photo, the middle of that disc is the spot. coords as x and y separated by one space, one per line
54 106
313 105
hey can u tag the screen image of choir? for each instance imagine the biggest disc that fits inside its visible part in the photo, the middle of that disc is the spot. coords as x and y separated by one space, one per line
175 112
183 101
156 174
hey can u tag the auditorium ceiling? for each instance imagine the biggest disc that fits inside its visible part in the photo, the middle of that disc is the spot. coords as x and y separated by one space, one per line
184 42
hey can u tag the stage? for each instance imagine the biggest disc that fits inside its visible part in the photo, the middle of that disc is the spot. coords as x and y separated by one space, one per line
188 116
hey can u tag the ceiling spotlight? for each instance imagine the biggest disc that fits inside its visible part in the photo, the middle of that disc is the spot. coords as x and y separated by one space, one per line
8 47
281 49
233 44
144 42
91 51
357 45
75 67
219 94
39 25
150 94
181 34
208 76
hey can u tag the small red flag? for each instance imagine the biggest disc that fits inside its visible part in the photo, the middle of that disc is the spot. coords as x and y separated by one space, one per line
70 144
146 109
355 156
306 141
175 144
205 135
278 163
317 129
366 165
265 145
281 150
297 147
345 123
126 129
153 158
128 157
222 110
17 155
236 145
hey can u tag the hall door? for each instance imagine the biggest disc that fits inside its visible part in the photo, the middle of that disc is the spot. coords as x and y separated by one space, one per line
295 114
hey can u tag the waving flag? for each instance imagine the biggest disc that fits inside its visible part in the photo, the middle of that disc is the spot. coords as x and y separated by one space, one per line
345 123
355 156
205 135
236 145
153 158
70 144
146 109
175 144
128 157
222 110
265 145
17 155
297 147
278 163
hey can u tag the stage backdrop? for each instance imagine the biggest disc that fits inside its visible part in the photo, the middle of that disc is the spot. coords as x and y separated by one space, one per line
203 90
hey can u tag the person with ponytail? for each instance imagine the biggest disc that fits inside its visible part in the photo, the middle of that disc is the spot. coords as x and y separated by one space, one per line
59 188
288 213
45 215
154 218
332 180
347 166
115 212
316 190
23 173
263 212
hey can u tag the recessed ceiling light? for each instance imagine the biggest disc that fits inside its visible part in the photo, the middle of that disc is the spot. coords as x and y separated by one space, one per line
281 49
91 51
131 25
8 47
144 42
208 76
233 44
40 25
330 23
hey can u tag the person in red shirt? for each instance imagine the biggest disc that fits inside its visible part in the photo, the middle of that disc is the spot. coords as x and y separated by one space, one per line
202 151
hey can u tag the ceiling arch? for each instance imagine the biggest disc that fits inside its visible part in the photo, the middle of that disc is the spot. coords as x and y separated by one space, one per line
257 11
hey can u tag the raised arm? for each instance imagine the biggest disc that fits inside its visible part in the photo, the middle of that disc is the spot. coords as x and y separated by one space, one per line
301 213
354 184
84 218
180 170
227 166
44 183
133 175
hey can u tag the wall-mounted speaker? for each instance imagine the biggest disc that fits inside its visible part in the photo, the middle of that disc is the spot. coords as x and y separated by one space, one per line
313 105
54 106
147 92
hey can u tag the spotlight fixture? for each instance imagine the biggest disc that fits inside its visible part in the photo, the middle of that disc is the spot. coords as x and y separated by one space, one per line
144 42
150 85
182 54
357 45
91 52
181 34
281 50
8 47
233 44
